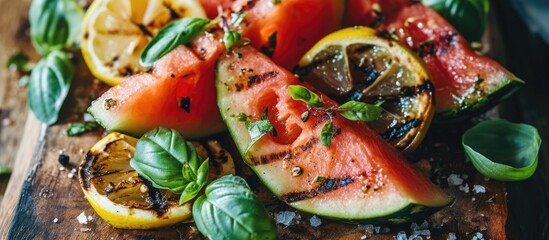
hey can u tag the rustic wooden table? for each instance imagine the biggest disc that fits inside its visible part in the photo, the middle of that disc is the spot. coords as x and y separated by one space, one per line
526 56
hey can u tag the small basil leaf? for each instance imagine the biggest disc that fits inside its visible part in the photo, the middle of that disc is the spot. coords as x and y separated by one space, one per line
327 133
502 150
168 161
170 37
230 38
359 111
79 128
229 210
54 24
49 85
4 169
257 130
298 92
467 16
19 62
193 188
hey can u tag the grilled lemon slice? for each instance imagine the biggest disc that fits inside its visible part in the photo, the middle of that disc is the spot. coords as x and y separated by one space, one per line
125 200
115 32
357 64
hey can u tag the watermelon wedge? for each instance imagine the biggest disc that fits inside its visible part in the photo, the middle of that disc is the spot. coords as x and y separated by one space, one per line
466 83
177 93
359 177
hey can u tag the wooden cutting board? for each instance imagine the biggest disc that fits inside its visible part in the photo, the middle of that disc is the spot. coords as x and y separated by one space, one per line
48 193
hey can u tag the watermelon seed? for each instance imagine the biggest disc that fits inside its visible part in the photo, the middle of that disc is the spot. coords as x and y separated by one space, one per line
296 171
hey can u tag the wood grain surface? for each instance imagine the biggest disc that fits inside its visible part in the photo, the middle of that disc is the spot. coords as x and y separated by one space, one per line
14 38
47 192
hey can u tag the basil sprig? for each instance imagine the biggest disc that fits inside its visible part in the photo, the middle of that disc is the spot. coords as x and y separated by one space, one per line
54 24
168 161
352 110
502 150
49 85
82 127
229 210
170 37
467 16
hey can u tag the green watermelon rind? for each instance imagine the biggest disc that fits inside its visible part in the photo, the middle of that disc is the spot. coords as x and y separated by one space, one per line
488 101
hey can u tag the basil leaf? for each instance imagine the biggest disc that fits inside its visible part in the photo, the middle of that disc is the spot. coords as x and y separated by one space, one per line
301 93
49 85
168 161
19 62
258 129
79 128
360 111
502 150
4 169
170 37
327 133
230 38
54 24
229 210
467 16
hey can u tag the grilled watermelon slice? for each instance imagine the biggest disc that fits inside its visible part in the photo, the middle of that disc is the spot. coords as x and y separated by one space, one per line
178 93
359 177
466 83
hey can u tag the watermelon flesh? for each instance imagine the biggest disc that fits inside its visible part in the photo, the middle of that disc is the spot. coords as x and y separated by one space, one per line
359 177
465 83
178 93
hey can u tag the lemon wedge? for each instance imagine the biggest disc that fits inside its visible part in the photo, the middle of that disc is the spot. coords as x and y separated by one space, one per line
115 32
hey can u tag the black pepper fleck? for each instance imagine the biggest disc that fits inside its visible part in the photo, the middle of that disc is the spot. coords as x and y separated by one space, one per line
63 159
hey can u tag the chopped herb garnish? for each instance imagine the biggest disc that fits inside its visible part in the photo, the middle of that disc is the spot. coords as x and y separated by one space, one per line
82 127
327 133
319 179
20 62
258 129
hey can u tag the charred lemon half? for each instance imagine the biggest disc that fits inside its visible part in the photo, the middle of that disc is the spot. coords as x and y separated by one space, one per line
358 64
124 199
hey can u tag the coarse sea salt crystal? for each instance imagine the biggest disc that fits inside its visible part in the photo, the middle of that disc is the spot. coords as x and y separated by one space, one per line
401 236
369 228
479 189
451 236
82 219
285 217
464 188
55 220
315 221
454 180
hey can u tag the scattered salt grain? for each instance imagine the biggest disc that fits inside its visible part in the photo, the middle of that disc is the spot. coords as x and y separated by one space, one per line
71 173
479 189
369 228
473 199
88 117
364 237
315 221
85 229
464 188
454 180
377 229
287 218
82 219
401 236
478 236
55 220
451 236
90 218
61 168
7 122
